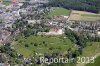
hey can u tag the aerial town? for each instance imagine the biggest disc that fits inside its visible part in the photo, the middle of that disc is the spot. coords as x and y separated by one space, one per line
29 30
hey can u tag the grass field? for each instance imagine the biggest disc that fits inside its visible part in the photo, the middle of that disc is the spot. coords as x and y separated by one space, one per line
90 51
84 16
39 44
59 12
6 2
90 15
96 63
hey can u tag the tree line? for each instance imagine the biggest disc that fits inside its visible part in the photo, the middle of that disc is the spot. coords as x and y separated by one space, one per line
82 5
80 39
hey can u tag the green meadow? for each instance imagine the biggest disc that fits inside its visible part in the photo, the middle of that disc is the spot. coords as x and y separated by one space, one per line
59 12
42 44
92 50
96 63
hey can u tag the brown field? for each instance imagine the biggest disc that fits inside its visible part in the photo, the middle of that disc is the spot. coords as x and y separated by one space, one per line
84 16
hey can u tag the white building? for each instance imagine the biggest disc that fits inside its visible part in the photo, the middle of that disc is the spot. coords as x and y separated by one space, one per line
34 21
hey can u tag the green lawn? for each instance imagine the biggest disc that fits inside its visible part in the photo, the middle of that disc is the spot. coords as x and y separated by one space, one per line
59 12
39 44
91 15
90 51
96 63
93 50
6 2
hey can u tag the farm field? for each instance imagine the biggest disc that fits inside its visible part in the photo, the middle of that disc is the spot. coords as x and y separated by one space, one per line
90 51
42 44
90 15
84 16
59 12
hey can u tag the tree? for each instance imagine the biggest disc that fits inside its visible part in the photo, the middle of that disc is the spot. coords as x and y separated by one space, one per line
83 5
26 45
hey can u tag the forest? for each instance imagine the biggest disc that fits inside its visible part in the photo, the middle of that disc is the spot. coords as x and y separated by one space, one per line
82 5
